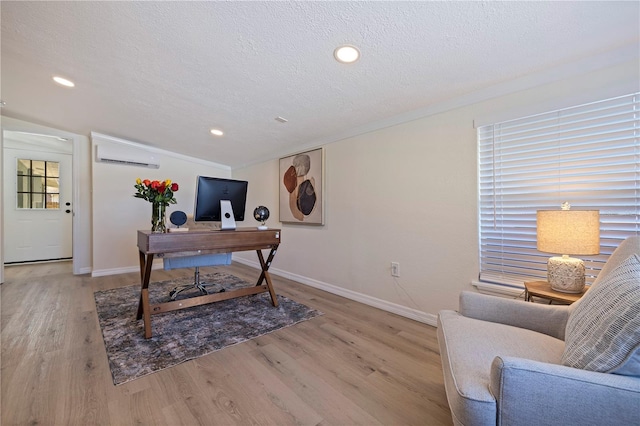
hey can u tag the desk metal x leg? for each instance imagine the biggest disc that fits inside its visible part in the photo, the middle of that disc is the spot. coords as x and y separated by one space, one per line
264 275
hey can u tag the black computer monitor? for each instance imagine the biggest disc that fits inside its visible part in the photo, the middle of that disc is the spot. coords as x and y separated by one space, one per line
210 191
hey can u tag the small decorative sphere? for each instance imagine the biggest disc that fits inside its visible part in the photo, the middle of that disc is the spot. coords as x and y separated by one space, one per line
261 214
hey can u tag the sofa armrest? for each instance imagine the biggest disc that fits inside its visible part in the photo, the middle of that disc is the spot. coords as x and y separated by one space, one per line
547 319
531 392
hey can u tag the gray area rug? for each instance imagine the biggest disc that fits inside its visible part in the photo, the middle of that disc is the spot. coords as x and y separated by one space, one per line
183 335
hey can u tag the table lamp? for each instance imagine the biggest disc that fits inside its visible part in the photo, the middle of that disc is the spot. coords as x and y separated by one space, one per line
568 232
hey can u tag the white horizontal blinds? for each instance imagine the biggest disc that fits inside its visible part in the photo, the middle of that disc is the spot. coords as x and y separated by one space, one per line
587 155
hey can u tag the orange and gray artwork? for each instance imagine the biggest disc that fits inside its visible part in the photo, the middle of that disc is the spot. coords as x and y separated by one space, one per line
302 194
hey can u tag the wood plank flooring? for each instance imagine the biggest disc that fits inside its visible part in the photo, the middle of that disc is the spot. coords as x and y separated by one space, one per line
355 365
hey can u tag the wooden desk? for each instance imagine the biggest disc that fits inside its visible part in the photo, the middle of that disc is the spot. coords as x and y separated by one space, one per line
202 242
544 290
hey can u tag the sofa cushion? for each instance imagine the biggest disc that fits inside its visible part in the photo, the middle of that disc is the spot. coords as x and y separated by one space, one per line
603 331
468 347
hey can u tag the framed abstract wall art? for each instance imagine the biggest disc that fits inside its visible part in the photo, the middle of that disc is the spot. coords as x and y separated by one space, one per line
301 188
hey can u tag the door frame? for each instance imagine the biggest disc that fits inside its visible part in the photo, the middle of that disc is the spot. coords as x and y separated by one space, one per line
8 123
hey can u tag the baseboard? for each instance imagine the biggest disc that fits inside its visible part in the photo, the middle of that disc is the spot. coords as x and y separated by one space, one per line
403 311
85 270
394 308
125 270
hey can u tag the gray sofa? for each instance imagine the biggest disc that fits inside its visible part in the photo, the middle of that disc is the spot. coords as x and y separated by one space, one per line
510 362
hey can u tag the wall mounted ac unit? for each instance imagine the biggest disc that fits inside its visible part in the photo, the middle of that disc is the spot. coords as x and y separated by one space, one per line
128 156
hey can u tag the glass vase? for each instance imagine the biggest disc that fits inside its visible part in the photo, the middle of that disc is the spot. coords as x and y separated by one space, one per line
158 223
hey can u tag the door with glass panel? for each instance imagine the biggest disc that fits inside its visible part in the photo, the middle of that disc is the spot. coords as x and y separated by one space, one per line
37 206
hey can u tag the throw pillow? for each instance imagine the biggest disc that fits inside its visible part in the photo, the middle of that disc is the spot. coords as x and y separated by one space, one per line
603 332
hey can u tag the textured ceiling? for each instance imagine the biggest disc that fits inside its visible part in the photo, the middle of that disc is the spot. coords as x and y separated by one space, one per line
164 73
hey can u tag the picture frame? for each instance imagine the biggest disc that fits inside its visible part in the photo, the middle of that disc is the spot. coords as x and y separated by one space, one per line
301 188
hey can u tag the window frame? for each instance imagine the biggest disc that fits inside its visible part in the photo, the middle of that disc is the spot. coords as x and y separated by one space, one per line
511 158
31 177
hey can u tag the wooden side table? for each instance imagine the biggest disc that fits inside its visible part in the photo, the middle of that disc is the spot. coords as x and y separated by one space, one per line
544 290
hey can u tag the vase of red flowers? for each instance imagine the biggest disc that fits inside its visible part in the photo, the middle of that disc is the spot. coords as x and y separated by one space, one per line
158 223
160 195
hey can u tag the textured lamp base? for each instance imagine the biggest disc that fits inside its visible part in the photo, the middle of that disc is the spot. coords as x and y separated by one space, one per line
566 274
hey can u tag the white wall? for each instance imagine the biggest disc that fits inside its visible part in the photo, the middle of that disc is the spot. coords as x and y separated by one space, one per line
408 193
117 214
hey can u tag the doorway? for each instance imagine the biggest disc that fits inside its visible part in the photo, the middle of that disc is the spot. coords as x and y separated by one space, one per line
37 197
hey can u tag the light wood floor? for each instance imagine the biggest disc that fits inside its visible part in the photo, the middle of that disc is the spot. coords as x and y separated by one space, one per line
353 365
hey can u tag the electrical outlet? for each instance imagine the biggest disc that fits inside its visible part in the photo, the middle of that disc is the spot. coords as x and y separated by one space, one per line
395 269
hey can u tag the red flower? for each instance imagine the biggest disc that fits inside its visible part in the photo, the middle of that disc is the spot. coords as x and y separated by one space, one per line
156 191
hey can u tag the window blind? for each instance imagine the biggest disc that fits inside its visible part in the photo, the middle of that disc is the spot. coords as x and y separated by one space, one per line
588 155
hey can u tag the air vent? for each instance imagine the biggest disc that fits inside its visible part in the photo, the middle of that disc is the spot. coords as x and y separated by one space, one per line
113 154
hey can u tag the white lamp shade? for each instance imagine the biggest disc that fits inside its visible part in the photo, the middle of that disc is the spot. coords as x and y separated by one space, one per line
570 232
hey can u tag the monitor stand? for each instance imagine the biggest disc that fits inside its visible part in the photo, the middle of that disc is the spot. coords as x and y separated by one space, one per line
226 215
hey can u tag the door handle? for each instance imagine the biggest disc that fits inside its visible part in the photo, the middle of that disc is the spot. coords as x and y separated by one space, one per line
67 211
67 203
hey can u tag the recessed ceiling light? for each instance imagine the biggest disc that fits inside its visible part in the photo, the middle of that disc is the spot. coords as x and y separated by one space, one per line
346 54
63 81
217 132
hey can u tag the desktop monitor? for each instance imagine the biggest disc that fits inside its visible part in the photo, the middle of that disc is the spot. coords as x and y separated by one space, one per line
210 191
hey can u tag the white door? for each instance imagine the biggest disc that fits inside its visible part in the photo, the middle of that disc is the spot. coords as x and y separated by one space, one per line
38 214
